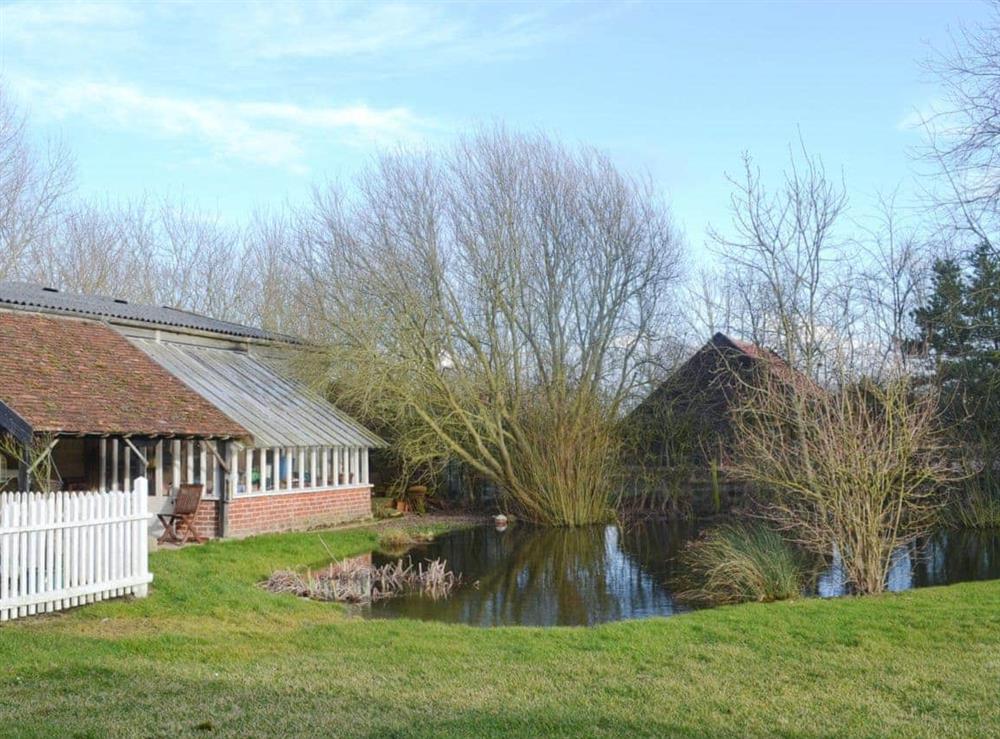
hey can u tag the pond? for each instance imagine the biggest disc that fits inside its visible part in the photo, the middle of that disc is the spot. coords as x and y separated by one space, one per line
574 577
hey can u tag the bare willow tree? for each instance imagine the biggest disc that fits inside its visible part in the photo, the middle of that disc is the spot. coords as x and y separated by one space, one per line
34 183
859 475
781 254
492 304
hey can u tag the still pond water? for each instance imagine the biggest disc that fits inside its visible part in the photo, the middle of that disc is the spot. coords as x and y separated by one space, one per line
548 577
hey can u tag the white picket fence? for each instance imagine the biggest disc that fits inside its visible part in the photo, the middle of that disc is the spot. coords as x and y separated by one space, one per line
60 550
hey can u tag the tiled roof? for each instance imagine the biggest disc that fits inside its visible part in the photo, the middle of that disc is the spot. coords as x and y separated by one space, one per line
24 295
772 360
81 377
751 350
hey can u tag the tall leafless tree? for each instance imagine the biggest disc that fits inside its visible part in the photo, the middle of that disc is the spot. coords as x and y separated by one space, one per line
34 182
493 304
964 134
781 254
892 284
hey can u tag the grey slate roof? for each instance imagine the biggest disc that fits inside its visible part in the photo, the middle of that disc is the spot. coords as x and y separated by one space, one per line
276 410
35 297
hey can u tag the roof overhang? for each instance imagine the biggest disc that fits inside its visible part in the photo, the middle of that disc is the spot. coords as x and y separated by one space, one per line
13 424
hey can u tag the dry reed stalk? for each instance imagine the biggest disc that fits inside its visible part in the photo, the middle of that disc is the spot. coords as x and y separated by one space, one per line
354 581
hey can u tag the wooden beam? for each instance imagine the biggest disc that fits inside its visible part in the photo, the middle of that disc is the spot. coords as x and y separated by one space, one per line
213 448
134 448
115 467
41 457
103 453
175 482
232 468
158 488
127 470
248 483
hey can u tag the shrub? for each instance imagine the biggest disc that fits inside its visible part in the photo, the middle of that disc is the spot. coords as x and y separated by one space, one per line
861 471
735 563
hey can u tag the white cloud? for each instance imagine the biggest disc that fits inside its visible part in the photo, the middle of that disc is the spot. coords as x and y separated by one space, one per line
309 31
421 33
58 23
397 35
271 134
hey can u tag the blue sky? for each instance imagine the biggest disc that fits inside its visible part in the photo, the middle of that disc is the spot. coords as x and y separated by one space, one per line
242 105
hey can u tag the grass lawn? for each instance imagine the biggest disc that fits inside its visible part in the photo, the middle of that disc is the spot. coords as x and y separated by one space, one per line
209 652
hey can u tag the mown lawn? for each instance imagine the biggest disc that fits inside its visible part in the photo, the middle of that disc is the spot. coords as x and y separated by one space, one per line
210 653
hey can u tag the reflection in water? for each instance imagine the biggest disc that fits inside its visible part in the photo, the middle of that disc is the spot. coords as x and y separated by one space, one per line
546 577
947 556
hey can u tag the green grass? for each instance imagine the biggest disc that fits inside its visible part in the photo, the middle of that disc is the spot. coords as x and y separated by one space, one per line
210 653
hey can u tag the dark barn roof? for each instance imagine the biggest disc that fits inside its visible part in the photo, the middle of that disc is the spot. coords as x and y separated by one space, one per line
699 396
78 377
45 299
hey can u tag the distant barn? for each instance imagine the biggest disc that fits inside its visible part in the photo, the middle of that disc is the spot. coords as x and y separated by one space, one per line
682 430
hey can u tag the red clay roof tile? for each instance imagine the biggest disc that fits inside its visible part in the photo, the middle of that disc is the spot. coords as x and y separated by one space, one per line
80 377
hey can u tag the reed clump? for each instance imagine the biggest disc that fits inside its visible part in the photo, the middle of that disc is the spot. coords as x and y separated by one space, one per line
737 563
358 581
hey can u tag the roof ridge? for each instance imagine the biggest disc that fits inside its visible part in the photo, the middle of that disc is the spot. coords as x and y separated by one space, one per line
32 295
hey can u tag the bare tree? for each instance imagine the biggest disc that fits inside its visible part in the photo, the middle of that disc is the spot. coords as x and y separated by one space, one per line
893 284
199 261
90 251
964 136
273 267
781 255
34 182
492 305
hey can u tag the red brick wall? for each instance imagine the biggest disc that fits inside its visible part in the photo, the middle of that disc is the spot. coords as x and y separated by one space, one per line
287 511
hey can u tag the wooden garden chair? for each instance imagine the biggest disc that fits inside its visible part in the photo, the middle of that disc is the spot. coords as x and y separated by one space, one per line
179 526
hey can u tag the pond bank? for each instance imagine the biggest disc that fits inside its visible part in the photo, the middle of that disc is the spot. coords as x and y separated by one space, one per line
538 576
211 652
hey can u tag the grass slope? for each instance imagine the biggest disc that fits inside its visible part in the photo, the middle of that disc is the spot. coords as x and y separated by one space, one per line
210 653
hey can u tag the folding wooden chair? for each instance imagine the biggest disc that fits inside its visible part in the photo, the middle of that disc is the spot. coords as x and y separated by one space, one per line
179 526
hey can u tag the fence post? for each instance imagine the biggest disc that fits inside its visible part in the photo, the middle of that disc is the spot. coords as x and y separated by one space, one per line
140 546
